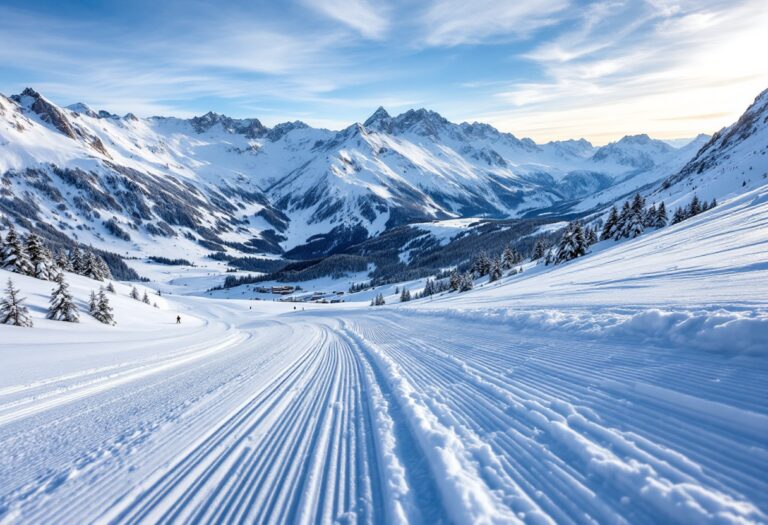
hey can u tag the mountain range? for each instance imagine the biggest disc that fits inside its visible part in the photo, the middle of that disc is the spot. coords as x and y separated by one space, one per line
219 184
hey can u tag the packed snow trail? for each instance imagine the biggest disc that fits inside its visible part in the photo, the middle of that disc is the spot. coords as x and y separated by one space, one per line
386 416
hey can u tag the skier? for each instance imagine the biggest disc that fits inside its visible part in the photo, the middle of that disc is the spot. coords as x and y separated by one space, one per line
178 319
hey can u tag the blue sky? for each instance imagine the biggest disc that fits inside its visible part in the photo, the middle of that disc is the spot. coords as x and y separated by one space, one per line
549 69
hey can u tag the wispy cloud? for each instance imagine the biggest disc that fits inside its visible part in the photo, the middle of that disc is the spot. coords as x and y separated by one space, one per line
454 22
370 19
626 68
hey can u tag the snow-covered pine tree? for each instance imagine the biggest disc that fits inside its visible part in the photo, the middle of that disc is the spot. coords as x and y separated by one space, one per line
380 300
145 299
14 256
649 218
624 218
636 220
661 216
713 203
572 243
467 282
704 206
93 302
62 261
679 216
111 287
103 268
12 309
455 281
61 307
507 258
94 267
38 257
590 235
429 288
539 250
135 294
609 228
76 260
405 295
103 311
694 207
496 271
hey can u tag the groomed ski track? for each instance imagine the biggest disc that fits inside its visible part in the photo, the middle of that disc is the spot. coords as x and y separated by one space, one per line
387 417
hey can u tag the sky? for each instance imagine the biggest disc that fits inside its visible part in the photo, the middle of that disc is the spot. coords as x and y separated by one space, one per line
545 69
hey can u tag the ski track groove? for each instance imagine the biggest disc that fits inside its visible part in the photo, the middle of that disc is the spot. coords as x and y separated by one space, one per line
291 421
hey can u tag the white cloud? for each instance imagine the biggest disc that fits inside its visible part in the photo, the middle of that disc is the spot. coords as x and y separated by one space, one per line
369 19
454 22
671 72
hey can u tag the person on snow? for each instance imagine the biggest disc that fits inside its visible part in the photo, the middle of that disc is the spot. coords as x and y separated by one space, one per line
178 319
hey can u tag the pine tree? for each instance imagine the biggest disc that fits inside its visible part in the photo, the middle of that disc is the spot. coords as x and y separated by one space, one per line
609 228
649 219
679 216
496 271
507 258
76 260
661 216
429 288
572 244
93 301
405 295
135 293
103 268
110 287
61 306
538 250
379 300
694 208
145 299
14 256
624 218
62 261
467 282
103 311
591 236
95 267
455 281
38 257
713 203
12 309
636 219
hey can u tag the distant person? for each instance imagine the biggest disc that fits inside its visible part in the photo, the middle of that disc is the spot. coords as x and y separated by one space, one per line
178 319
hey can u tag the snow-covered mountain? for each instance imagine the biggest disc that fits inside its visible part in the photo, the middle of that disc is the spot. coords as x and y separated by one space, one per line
214 183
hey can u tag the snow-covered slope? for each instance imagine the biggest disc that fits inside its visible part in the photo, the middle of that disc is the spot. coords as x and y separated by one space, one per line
626 386
213 183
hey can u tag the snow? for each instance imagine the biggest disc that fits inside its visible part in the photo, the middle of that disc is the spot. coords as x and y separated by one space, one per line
625 386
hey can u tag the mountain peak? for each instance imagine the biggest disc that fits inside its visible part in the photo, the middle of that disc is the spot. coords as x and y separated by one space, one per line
82 109
45 110
421 121
378 115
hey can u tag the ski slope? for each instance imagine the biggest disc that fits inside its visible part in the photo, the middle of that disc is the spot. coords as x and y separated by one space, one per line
550 398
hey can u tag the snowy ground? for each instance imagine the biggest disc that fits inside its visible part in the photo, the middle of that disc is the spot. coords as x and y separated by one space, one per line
626 387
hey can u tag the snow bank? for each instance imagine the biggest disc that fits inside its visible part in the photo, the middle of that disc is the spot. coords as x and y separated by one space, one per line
712 330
